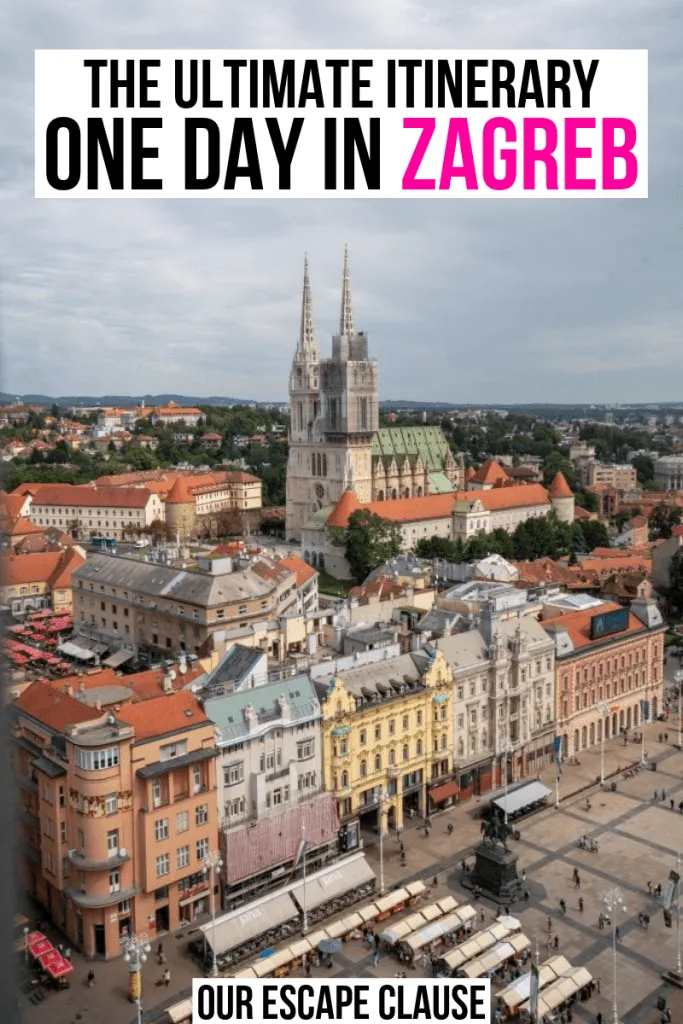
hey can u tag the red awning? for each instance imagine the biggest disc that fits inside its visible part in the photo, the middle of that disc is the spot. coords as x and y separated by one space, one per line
441 793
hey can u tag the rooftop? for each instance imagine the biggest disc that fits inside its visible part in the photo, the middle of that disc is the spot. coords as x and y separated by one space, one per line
228 711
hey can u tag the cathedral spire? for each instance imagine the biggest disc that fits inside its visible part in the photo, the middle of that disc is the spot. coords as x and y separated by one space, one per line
346 325
307 348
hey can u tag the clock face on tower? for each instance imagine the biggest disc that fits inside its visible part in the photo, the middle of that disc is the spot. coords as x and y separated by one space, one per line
320 491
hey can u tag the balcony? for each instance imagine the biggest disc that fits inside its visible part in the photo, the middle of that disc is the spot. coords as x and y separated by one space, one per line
393 771
84 864
82 899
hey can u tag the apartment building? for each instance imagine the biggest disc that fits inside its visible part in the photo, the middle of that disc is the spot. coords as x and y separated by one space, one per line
270 773
42 580
387 733
620 477
86 511
117 813
609 659
150 609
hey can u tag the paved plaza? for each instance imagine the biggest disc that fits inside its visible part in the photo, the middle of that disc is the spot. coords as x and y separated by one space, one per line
639 839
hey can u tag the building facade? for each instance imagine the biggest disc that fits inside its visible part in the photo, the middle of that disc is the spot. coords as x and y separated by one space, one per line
620 477
669 473
85 510
270 771
609 659
335 442
387 735
117 813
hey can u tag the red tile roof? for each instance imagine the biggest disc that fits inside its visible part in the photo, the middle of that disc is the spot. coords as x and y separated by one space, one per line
11 504
345 507
161 716
302 570
490 472
86 495
559 488
577 624
54 709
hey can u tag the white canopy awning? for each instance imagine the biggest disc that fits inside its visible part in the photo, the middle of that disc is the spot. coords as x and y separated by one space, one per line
73 651
525 796
333 881
240 926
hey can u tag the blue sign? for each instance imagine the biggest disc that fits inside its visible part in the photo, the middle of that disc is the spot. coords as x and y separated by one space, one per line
607 623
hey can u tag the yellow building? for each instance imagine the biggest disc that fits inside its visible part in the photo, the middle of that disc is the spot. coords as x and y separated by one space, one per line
387 735
41 580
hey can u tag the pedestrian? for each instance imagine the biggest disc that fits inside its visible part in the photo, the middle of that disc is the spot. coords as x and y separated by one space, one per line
507 911
401 845
556 942
563 907
601 922
91 978
426 831
666 737
550 926
375 959
617 936
569 1015
663 794
598 1018
526 895
67 954
403 858
160 949
308 967
575 875
649 888
450 828
523 877
481 915
656 794
581 904
166 977
377 941
680 807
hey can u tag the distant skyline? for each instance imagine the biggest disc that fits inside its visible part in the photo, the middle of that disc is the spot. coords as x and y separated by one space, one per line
483 302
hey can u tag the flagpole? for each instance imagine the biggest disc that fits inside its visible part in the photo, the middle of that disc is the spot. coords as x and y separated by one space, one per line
304 927
678 914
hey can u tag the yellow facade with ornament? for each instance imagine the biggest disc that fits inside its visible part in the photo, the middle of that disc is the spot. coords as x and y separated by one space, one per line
387 732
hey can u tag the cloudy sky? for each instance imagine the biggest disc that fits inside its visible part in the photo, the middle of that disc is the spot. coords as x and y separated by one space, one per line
464 301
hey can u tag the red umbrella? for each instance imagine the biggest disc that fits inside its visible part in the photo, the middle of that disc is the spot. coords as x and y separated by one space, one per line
40 948
57 968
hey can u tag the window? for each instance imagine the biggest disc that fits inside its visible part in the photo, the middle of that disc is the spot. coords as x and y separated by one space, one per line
183 857
363 737
378 732
182 821
305 750
97 760
405 722
406 752
161 829
201 814
197 781
233 773
419 718
418 748
113 843
63 836
171 750
124 907
114 881
378 762
163 865
202 848
363 769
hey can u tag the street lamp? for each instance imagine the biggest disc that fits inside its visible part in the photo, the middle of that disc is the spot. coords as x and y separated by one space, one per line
383 797
603 708
505 751
614 903
26 944
213 863
136 949
679 682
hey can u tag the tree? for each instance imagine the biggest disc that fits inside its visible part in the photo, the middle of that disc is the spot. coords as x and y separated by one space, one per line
587 500
644 467
436 547
54 411
370 541
662 521
596 534
676 581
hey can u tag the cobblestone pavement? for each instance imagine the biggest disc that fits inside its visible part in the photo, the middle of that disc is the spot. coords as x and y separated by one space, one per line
638 840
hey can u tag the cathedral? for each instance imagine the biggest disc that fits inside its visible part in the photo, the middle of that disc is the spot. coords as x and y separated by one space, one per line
335 441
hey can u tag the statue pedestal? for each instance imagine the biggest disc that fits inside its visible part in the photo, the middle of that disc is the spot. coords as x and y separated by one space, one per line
495 873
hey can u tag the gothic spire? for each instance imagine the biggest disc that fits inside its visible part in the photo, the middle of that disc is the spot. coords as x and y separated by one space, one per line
308 346
346 325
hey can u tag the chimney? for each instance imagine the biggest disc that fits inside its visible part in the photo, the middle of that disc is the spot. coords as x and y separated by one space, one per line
81 686
70 689
168 683
98 705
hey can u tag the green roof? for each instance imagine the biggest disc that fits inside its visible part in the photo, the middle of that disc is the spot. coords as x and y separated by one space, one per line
440 484
227 712
427 442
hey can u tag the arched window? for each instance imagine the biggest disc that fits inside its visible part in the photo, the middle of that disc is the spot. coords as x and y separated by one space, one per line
313 464
392 756
363 769
394 494
324 465
443 742
418 748
307 556
419 492
406 752
345 779
321 561
380 496
313 559
378 762
320 463
406 493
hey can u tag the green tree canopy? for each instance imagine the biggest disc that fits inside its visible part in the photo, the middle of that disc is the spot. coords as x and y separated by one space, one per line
370 541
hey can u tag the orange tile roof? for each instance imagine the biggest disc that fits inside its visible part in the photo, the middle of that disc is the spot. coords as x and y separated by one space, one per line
515 496
86 495
583 513
70 561
609 565
345 507
490 472
54 709
51 567
11 504
559 488
161 716
470 474
143 685
577 624
302 570
18 526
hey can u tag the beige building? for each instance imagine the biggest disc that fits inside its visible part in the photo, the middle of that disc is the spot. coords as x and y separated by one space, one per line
620 477
87 510
335 440
148 609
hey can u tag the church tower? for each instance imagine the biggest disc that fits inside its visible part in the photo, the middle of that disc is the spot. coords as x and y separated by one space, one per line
349 385
334 410
304 403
